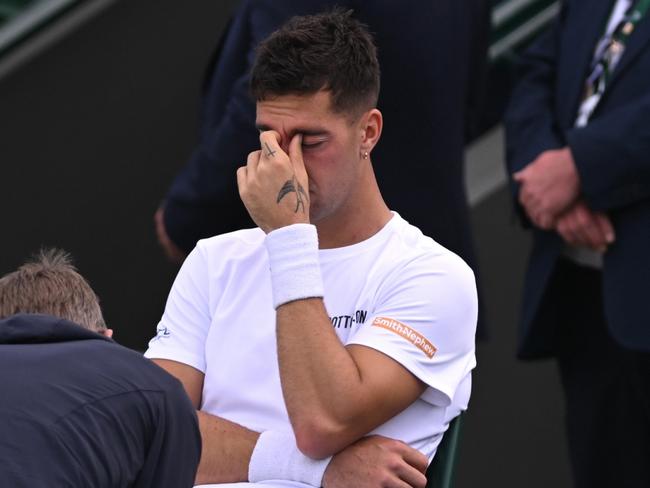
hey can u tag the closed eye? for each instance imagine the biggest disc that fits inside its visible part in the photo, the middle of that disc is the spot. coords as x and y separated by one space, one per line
311 142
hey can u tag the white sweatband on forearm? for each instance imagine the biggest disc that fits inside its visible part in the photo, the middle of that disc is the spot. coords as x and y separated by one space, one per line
295 268
276 457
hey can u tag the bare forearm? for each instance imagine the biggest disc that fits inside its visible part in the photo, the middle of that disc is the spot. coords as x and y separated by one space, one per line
321 383
226 451
226 446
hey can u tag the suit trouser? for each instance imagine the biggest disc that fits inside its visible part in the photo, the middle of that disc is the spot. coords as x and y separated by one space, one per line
607 388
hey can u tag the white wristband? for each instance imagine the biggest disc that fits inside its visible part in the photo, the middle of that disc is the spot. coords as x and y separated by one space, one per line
276 457
293 258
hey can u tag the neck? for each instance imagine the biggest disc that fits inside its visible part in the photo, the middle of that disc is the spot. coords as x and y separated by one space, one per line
358 220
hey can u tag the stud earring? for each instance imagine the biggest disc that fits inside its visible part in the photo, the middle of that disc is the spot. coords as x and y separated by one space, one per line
365 155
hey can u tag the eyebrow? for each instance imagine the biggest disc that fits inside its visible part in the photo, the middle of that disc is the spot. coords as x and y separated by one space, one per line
298 130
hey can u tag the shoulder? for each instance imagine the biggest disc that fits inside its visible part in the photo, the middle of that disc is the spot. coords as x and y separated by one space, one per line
134 389
214 261
412 250
422 275
122 370
235 244
214 254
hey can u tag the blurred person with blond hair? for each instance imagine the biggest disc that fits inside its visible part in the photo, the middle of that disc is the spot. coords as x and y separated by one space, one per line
77 409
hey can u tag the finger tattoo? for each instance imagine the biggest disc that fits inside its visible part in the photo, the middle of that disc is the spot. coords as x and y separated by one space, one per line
271 152
294 186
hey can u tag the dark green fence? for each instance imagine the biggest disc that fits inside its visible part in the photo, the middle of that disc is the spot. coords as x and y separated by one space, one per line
11 8
21 18
516 22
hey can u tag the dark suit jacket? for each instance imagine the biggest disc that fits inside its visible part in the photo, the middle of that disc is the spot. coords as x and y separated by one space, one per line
429 52
612 155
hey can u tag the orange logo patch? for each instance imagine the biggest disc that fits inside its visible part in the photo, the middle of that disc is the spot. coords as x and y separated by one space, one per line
407 333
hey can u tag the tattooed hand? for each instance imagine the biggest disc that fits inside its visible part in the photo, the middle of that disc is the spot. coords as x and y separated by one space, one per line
274 185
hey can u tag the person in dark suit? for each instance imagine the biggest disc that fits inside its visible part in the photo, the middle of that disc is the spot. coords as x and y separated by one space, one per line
578 151
77 409
433 56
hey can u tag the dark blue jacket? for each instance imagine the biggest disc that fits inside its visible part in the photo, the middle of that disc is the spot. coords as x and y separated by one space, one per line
612 155
432 55
78 410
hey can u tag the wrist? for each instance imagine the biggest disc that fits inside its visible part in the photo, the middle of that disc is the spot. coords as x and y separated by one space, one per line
277 457
294 263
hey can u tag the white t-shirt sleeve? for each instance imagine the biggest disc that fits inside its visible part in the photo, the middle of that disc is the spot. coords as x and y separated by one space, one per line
183 329
425 319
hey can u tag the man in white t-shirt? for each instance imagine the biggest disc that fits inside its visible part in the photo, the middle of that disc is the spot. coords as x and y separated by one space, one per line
332 345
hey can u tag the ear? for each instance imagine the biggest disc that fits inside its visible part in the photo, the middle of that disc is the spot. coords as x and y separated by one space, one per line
371 125
108 333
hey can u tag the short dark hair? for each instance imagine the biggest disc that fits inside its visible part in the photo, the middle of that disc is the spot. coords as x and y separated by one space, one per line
50 284
328 51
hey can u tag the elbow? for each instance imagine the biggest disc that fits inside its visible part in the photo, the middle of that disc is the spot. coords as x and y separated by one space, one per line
319 438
